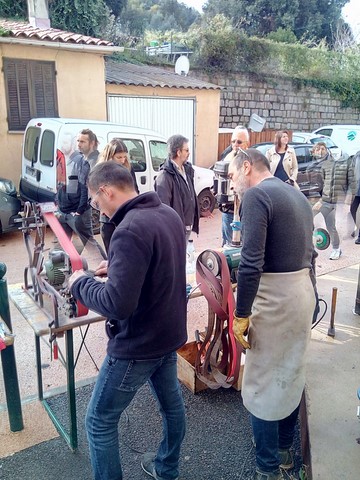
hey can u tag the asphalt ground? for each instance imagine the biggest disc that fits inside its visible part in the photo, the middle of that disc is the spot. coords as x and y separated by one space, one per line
217 445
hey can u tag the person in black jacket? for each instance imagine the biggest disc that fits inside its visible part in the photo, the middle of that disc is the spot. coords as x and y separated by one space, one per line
73 204
175 184
144 300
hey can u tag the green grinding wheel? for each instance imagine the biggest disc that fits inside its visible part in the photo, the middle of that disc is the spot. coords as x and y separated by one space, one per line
321 238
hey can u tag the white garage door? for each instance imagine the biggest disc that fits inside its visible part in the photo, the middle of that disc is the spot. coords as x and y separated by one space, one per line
168 116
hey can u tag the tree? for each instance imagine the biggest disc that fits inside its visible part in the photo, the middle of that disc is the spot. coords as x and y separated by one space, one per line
307 19
13 9
87 17
116 6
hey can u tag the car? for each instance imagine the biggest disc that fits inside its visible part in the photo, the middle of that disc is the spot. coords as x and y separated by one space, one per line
345 136
309 177
10 206
306 137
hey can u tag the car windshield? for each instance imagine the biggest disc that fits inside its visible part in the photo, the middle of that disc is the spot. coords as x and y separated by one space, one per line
328 142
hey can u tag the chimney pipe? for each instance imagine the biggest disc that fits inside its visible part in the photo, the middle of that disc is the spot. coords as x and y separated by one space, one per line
38 12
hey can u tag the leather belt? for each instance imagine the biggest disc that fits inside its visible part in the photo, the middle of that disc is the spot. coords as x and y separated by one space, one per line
217 362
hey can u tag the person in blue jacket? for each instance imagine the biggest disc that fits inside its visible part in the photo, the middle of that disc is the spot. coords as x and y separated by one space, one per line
144 301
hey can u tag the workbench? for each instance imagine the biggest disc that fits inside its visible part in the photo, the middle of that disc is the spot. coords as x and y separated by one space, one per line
39 321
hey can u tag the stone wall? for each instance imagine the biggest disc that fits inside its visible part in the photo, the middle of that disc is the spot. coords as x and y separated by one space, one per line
278 101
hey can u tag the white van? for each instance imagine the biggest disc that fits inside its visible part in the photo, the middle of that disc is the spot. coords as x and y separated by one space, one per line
49 142
347 137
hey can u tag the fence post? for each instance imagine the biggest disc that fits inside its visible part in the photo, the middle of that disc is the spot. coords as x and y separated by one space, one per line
11 383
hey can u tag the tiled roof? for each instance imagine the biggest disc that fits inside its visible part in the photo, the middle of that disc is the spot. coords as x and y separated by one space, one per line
149 76
23 30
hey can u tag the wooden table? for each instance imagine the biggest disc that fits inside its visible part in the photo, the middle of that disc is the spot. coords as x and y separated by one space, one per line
39 322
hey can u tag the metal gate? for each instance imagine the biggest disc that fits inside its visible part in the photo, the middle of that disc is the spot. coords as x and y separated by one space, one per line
166 115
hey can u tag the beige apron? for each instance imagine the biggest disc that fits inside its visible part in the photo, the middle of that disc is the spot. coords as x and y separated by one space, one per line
280 326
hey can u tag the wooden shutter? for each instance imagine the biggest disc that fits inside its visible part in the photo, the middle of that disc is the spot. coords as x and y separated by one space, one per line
30 91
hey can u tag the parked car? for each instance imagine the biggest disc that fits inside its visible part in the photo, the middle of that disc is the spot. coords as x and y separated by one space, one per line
345 136
309 177
306 137
10 206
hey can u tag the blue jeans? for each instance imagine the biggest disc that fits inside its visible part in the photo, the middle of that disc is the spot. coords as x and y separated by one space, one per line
116 386
226 228
270 436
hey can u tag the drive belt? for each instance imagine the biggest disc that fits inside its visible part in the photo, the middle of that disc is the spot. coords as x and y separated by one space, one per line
75 259
217 362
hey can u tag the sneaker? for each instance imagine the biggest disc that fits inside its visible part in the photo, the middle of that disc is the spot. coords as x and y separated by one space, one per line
286 459
268 476
148 465
335 254
357 241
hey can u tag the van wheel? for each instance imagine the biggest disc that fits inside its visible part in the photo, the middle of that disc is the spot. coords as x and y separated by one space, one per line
206 202
95 220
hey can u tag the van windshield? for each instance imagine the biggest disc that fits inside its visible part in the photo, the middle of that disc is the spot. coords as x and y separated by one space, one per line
158 152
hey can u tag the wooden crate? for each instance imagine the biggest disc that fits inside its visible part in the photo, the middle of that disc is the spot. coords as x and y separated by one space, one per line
186 356
186 369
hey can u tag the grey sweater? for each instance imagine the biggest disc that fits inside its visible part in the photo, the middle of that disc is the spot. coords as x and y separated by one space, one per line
277 231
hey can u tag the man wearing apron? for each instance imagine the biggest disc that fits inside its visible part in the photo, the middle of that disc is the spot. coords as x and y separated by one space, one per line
275 306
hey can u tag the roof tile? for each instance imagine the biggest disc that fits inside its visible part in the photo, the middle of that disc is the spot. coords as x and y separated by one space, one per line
24 30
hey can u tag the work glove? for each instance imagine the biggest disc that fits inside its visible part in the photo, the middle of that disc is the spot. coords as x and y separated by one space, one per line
240 328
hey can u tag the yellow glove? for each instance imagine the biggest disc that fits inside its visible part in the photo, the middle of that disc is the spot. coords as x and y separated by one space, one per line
240 328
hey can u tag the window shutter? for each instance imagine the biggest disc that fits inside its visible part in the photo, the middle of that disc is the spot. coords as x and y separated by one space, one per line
30 91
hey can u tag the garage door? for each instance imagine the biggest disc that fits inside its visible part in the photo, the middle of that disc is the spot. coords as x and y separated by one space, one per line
168 116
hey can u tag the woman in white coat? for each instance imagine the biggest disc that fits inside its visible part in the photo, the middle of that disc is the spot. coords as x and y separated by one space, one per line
282 159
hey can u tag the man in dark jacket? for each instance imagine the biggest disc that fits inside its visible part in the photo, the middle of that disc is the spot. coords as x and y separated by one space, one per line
74 208
144 300
175 184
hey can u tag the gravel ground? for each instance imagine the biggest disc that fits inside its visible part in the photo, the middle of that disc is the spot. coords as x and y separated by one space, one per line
217 445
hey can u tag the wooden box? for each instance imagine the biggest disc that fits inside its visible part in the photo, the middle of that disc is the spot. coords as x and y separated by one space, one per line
186 356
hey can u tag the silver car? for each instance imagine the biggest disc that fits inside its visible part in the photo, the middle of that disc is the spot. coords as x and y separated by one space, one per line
306 137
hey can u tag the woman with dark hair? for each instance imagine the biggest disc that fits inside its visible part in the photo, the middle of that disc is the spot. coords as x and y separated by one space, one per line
117 151
282 159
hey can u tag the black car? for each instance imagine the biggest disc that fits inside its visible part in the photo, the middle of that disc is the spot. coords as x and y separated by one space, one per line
10 206
309 177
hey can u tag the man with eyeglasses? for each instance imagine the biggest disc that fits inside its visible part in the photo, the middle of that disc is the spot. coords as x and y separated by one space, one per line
175 184
144 300
275 306
240 139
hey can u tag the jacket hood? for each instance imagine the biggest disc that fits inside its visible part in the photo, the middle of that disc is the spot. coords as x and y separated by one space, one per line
145 200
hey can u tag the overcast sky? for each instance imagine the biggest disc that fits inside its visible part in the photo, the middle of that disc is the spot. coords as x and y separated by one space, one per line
351 13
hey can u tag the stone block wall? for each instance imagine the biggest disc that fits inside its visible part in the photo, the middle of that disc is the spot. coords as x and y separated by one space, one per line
278 101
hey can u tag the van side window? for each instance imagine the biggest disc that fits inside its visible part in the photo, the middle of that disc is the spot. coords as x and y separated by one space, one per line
136 151
31 144
47 148
158 152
